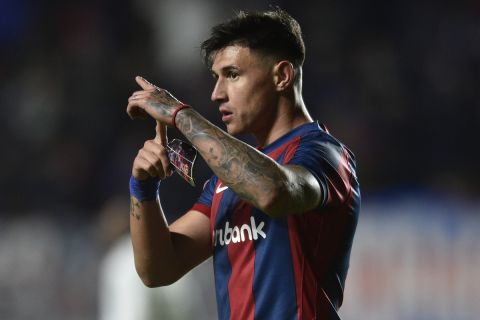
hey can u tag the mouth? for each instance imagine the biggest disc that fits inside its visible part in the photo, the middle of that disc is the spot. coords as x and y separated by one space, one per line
226 115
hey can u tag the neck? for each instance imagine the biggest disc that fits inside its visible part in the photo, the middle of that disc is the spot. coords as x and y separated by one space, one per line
290 114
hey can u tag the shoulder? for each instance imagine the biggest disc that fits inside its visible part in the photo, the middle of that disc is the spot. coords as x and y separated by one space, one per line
322 144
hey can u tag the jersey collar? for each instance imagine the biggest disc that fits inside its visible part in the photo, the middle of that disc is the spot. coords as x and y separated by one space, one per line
298 131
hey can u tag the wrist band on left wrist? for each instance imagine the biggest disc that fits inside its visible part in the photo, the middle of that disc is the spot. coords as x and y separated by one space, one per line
144 190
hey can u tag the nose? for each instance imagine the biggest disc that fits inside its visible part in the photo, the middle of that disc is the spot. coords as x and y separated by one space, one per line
219 93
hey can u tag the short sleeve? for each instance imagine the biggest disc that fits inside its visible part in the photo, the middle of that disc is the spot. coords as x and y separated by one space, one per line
204 202
329 161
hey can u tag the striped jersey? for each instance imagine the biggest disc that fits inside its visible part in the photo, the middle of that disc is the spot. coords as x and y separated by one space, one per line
292 267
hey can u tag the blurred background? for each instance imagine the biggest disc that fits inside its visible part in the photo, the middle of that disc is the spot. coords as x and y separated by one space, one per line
397 81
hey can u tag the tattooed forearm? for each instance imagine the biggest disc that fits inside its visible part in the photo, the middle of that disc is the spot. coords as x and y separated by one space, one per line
247 171
134 208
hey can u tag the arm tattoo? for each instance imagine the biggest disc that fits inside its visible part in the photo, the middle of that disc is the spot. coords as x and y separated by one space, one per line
165 104
247 171
134 206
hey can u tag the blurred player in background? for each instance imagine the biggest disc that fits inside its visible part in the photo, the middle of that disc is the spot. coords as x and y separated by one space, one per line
279 219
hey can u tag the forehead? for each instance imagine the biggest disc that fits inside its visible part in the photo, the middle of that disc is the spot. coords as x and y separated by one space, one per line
237 56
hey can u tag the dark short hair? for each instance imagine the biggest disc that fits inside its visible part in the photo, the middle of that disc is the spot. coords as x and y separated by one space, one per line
273 33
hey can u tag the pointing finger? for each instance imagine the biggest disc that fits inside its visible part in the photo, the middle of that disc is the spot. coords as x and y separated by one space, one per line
144 83
161 136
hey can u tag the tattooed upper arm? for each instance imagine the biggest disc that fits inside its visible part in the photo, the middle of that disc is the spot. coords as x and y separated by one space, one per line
254 176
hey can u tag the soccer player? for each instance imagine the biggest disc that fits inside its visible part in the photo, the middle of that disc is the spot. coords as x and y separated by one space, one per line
279 219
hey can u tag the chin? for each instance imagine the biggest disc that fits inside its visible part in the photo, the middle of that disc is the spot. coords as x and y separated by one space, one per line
234 131
229 128
231 132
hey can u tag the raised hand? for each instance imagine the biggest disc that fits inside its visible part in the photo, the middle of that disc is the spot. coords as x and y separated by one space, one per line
152 101
152 159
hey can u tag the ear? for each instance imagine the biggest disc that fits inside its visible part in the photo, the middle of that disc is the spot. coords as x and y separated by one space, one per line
284 74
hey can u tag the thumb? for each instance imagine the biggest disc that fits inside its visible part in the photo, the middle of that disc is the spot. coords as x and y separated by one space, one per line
144 83
161 134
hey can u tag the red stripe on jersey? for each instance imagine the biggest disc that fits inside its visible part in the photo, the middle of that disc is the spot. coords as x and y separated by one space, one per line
346 173
242 258
290 147
202 208
339 190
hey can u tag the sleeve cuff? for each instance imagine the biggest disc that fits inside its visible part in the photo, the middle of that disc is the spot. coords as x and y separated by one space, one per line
202 208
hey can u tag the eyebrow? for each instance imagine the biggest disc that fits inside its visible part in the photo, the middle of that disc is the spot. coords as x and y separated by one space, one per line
225 69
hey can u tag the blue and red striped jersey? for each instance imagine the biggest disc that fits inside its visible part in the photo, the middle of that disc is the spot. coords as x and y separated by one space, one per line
292 267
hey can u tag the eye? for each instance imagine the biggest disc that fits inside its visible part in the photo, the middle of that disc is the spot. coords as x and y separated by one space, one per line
232 75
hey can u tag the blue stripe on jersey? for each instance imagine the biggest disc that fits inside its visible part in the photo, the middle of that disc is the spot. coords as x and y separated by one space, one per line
222 273
208 192
274 271
223 268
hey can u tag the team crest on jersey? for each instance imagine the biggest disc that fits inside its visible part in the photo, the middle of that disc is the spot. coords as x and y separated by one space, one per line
245 232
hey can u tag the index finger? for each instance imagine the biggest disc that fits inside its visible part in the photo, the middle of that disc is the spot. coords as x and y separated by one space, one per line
142 82
161 134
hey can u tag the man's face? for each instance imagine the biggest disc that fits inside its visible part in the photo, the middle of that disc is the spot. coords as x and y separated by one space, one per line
244 89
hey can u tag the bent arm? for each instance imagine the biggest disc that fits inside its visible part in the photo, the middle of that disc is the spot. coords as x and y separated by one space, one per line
255 177
163 253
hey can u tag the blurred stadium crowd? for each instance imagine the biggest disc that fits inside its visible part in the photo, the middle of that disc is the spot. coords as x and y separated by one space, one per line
397 81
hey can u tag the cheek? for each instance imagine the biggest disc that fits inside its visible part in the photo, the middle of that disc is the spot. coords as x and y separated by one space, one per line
261 99
251 97
255 94
249 105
